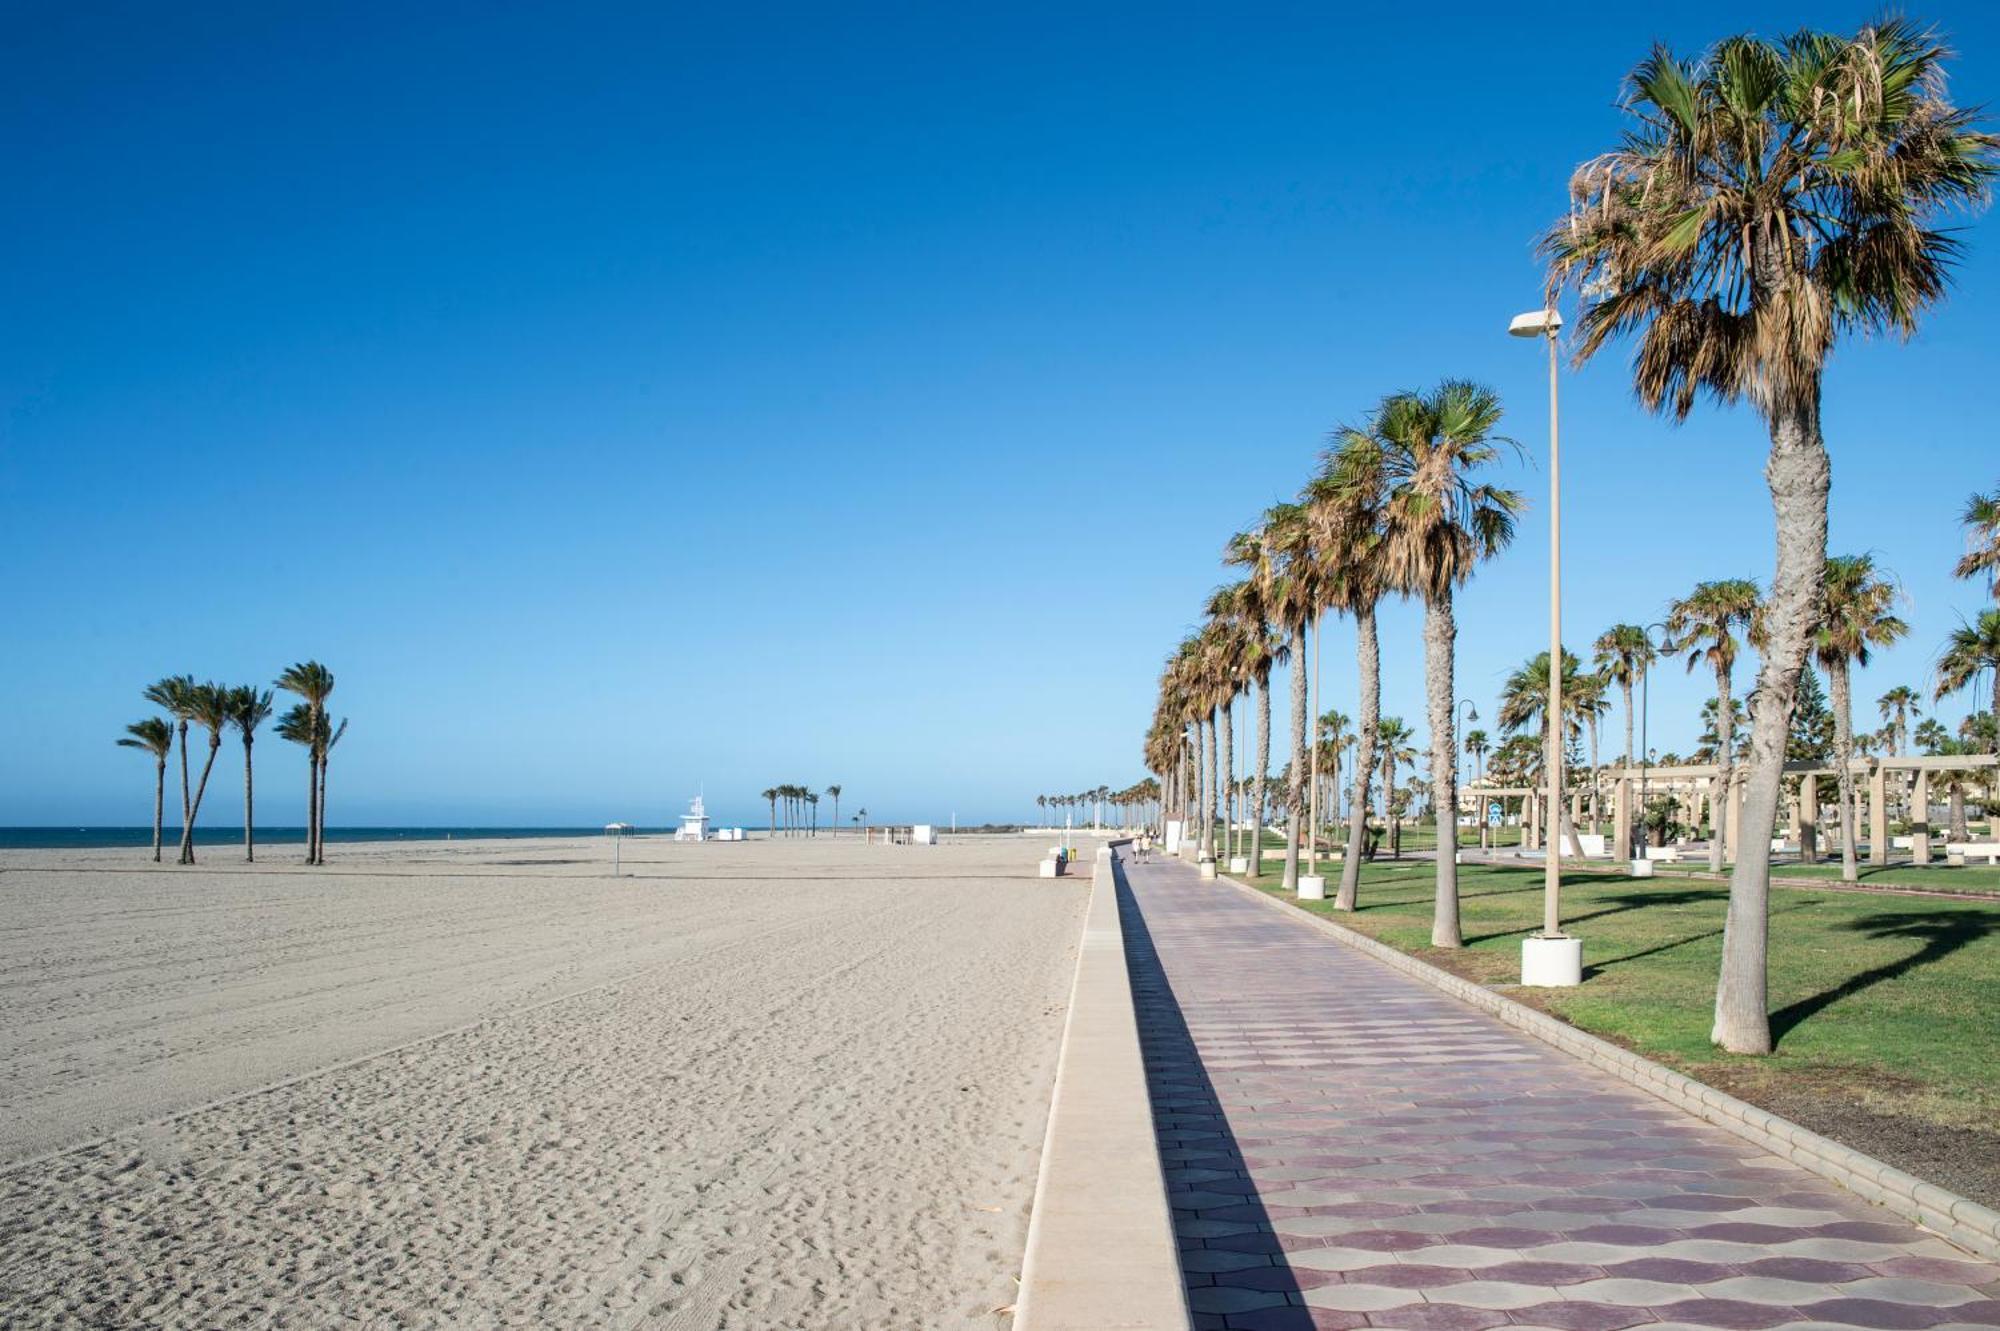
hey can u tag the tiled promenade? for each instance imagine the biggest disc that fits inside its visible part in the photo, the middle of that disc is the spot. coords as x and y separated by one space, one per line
1346 1147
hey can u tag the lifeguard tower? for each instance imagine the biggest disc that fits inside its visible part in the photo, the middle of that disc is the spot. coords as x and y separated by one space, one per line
694 823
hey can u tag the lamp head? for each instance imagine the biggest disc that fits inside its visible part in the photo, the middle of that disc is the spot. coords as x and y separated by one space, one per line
1536 323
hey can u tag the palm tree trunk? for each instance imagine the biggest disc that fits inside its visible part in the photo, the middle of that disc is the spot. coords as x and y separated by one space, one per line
1959 831
1368 659
1295 778
1209 791
319 841
1228 742
1799 476
249 808
1725 758
194 810
1840 685
312 799
1439 634
187 818
1626 685
159 802
1257 782
1596 817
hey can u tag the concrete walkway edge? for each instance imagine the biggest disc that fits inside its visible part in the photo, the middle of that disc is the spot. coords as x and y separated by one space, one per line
1958 1219
1101 1247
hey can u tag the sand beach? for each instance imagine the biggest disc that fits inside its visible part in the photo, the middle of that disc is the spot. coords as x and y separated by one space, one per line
773 1084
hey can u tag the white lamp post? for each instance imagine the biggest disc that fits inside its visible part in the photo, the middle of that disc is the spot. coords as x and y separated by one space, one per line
1551 958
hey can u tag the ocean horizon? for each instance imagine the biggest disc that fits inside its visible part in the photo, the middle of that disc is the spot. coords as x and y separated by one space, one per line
97 838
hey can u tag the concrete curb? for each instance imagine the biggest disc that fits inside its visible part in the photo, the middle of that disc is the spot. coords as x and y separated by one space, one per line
1958 1219
1101 1248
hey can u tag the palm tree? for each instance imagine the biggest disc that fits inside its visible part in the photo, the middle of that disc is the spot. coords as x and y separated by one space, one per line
1395 739
249 707
1982 535
1624 653
1279 557
1524 705
1703 624
155 736
1897 707
1414 463
833 793
1765 199
1591 705
208 706
313 684
296 726
1232 628
770 794
175 694
1477 745
1343 517
1334 741
1856 618
1972 648
329 735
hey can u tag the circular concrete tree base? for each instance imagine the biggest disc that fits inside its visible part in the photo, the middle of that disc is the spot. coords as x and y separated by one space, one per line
1552 963
1642 868
1239 864
1312 887
1207 868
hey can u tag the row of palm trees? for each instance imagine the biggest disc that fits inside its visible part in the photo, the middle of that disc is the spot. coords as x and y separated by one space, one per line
1137 804
1765 199
798 806
217 708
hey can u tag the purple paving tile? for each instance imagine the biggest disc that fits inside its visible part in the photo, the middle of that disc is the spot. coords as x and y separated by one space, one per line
1335 1121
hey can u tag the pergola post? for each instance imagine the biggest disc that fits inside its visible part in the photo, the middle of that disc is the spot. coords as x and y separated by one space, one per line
1621 817
1809 818
1920 819
1878 814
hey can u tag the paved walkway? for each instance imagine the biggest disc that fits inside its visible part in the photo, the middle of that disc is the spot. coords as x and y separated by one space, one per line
1347 1147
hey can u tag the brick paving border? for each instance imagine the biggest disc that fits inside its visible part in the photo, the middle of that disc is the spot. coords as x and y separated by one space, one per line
1962 1221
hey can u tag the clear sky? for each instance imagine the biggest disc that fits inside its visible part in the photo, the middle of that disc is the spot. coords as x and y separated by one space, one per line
628 400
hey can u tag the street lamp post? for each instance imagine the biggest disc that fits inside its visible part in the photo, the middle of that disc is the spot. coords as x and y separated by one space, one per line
1551 957
1464 714
1645 747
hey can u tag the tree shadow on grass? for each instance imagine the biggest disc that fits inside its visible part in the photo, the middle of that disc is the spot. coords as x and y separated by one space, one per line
1672 943
1940 933
1620 904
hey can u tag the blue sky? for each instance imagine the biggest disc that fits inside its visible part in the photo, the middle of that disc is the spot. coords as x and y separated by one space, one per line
628 400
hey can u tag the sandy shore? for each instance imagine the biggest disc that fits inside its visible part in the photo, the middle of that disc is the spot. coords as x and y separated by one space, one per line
777 1084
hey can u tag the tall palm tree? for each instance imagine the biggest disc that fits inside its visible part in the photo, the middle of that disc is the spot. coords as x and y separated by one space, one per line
1415 463
329 735
295 725
1897 707
1228 638
833 793
1477 745
770 795
208 706
1982 535
1765 199
1263 602
1335 739
1624 653
155 736
1704 624
175 694
1857 617
1524 705
249 707
1279 558
1591 705
312 683
1343 514
1395 738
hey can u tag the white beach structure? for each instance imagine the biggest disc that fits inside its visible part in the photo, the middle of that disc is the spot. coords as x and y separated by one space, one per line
694 823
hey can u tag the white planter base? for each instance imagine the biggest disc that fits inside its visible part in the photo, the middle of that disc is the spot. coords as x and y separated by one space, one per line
1239 864
1312 887
1552 963
1207 868
1051 867
1642 868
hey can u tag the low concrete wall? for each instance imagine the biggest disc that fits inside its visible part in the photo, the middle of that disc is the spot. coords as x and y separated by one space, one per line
1101 1249
1965 1222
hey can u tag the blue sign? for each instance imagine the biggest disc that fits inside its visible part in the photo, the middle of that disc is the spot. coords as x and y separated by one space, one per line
1493 814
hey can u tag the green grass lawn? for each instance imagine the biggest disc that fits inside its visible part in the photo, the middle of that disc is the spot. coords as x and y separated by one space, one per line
1889 1001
